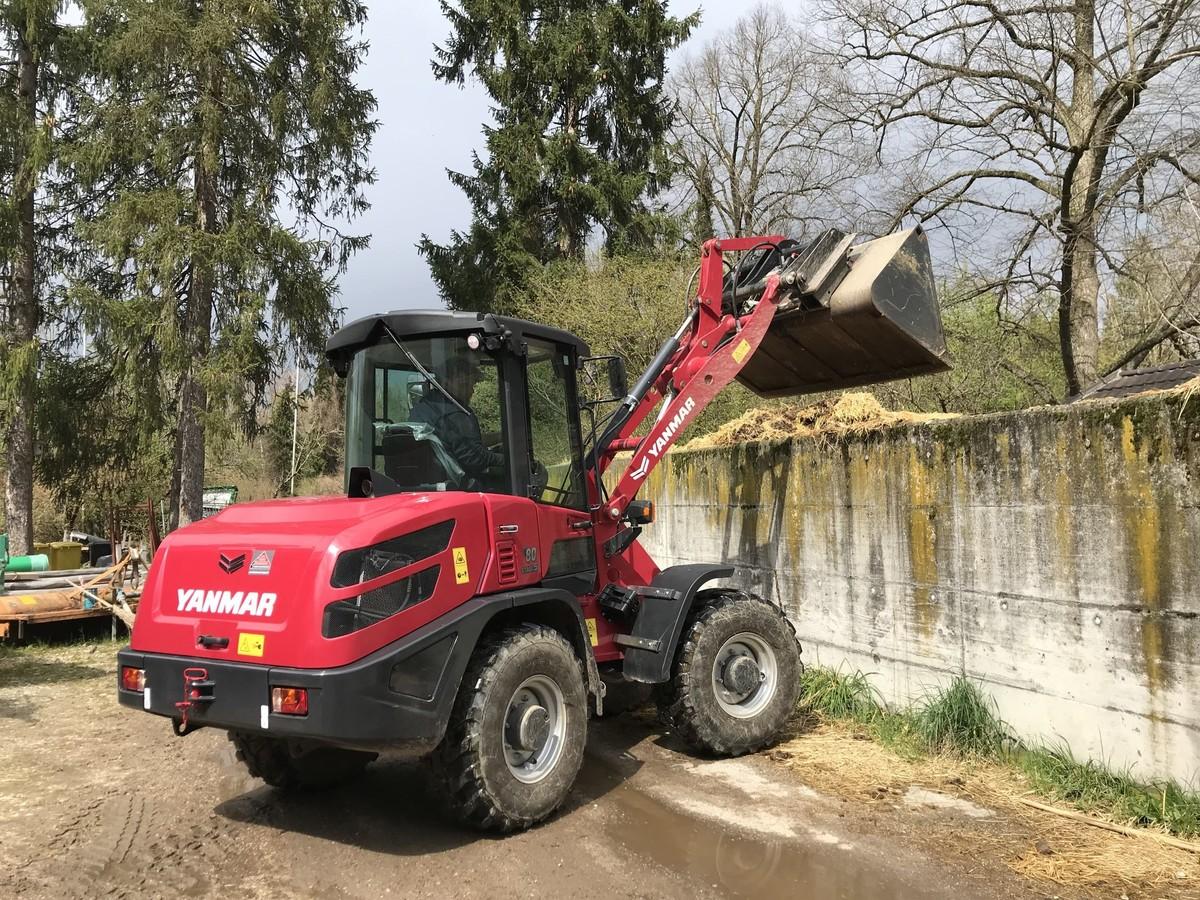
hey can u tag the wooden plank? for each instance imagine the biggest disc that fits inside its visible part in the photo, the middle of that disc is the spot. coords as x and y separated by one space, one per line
57 615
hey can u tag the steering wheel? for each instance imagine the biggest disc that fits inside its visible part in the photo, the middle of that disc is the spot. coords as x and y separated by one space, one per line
538 479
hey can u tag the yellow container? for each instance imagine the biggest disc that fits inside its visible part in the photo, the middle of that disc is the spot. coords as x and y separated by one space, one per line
41 547
65 555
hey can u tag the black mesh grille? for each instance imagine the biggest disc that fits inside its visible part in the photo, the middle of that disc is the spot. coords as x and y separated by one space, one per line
355 613
366 563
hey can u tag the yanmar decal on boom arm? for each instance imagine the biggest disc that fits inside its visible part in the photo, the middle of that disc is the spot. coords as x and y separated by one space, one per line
692 368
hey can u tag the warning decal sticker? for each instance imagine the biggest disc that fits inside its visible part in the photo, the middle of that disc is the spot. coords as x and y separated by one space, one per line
251 644
461 574
260 562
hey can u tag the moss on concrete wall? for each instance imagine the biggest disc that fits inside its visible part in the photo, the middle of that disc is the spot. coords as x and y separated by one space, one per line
1053 554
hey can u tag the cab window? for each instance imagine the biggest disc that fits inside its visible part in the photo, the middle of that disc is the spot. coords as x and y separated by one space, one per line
556 475
428 413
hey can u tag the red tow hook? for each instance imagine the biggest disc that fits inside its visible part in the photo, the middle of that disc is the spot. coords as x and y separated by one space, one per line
197 689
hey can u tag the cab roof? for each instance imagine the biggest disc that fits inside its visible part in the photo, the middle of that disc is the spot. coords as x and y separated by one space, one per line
369 330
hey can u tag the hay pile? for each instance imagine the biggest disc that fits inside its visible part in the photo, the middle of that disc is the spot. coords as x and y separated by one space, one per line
856 411
841 760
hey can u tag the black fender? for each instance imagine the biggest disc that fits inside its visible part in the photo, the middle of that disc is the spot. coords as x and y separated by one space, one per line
660 620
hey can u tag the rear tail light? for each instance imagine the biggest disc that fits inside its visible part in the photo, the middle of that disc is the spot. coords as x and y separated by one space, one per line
133 679
289 701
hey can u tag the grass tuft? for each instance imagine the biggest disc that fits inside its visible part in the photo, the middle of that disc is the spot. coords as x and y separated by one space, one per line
837 695
960 719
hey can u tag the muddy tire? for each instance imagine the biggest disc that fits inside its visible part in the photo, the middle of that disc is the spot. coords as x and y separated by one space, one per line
736 676
517 731
285 764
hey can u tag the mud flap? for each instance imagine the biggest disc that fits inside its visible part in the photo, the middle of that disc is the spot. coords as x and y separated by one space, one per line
650 646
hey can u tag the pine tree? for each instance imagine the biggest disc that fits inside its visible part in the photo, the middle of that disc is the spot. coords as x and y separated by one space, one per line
38 62
224 139
581 120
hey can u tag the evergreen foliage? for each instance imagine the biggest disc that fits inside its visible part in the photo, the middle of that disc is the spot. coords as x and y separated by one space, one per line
578 144
220 140
40 58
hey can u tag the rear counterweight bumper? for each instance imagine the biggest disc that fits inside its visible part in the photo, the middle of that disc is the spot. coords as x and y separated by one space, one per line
396 699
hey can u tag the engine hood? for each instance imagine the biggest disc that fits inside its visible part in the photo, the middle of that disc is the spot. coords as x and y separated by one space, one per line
252 583
306 517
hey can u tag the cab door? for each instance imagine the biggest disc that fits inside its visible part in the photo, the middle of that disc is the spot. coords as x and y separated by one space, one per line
556 481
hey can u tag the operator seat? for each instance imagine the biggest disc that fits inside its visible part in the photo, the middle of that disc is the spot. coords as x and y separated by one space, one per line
411 461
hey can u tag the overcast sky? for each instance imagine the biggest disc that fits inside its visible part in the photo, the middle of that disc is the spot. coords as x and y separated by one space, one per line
426 127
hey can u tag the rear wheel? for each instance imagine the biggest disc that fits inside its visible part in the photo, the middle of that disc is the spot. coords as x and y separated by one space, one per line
736 677
517 731
290 764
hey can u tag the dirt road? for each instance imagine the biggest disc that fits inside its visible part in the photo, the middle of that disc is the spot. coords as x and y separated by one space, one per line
100 801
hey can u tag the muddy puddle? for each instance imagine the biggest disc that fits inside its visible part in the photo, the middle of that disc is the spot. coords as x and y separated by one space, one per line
737 861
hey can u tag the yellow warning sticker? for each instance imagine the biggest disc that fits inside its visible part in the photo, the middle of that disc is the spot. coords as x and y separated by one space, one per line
740 351
27 600
251 644
461 573
592 633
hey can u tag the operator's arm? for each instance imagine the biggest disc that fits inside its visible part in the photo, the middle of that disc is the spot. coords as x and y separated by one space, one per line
460 433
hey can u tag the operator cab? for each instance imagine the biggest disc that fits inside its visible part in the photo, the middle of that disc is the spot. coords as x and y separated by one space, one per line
453 401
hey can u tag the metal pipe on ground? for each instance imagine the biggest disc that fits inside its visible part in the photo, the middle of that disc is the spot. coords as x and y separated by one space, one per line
44 601
35 562
15 577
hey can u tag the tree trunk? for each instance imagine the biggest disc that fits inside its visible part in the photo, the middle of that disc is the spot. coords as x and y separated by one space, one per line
193 397
173 504
1078 323
22 327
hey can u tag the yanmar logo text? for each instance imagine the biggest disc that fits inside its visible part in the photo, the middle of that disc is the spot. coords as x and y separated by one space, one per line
663 439
230 603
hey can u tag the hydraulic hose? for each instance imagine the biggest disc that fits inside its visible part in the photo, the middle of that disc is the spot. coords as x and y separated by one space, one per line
641 388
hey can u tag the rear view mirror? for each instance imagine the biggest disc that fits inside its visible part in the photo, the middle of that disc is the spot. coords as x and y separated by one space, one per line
618 384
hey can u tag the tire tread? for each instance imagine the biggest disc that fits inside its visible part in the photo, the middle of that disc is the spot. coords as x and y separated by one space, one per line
455 761
679 700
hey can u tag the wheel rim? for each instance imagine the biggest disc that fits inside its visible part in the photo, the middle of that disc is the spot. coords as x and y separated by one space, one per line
535 727
745 675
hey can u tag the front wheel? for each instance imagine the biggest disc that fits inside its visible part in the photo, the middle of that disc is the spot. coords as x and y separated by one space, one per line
517 731
736 678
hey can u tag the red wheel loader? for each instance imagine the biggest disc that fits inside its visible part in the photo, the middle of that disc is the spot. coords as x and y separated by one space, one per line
482 581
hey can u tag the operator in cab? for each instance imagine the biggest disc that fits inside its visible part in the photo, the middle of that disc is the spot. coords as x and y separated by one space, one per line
453 420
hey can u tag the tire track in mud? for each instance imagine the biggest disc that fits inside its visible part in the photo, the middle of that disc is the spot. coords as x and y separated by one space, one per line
123 845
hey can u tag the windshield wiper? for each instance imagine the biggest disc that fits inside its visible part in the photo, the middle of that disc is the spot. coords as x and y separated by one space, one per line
425 372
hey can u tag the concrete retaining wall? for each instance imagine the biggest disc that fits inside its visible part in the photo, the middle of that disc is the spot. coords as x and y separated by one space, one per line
1054 555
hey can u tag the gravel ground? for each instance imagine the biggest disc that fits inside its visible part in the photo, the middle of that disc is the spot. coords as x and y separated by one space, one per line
96 800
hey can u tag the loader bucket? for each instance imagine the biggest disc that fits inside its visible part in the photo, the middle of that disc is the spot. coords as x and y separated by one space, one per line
881 322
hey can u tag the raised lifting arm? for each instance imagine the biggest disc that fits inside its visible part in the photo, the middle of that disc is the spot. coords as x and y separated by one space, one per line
693 366
789 319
